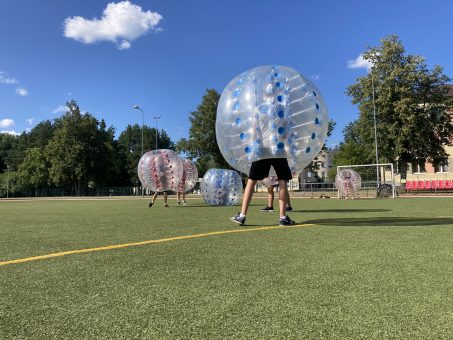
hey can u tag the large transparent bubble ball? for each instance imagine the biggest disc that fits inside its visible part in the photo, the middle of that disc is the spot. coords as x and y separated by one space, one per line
348 182
189 176
221 187
160 170
271 112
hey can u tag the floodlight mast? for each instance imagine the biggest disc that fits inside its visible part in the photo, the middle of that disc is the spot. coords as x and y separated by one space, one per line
7 183
143 121
156 118
375 129
143 126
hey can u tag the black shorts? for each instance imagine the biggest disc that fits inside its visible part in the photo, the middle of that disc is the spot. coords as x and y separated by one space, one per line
260 169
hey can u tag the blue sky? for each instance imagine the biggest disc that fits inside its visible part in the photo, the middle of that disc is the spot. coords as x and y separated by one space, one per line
162 55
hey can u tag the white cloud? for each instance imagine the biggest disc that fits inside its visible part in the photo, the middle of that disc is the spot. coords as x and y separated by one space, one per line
60 109
22 91
120 23
30 121
4 79
6 123
124 45
10 132
359 62
315 76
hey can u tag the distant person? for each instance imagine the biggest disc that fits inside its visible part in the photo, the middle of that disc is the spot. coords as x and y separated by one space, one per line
271 183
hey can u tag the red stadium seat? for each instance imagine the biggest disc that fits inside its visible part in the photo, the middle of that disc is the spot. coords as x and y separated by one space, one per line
428 184
415 185
409 185
441 184
421 185
434 184
448 184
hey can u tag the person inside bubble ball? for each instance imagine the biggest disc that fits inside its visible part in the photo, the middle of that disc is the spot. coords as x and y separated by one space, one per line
348 184
155 196
258 171
270 200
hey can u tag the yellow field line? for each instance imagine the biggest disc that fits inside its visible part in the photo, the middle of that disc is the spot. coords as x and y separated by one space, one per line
141 243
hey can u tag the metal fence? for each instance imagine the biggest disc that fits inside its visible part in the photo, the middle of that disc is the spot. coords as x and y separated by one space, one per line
60 192
100 192
368 189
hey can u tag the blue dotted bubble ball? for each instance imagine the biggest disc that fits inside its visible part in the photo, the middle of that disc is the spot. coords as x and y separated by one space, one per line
271 112
221 187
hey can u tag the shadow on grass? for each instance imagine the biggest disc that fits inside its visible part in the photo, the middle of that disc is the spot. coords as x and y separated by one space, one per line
214 206
383 221
342 210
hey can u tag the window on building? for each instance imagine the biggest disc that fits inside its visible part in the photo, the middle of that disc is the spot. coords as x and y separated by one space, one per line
441 166
418 166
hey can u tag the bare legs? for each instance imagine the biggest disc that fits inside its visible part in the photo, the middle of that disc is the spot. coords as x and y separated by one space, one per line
283 196
270 197
183 194
248 194
155 196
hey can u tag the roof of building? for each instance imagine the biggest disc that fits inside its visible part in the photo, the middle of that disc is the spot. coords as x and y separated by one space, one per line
449 90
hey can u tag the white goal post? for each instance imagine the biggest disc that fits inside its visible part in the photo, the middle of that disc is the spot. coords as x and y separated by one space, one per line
377 179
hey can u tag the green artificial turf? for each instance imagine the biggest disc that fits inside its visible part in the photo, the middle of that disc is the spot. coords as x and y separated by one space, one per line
367 269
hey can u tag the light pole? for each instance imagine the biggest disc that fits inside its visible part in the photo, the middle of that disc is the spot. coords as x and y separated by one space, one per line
375 131
7 182
143 126
143 122
156 118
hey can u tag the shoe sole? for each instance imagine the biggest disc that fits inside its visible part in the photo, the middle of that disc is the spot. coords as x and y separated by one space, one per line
287 224
266 210
238 222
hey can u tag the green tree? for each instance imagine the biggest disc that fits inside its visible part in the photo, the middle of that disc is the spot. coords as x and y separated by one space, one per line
79 151
130 147
354 150
7 144
8 182
413 120
108 168
202 142
39 136
33 172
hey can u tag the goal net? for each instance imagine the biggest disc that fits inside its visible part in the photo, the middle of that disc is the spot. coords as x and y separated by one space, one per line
377 180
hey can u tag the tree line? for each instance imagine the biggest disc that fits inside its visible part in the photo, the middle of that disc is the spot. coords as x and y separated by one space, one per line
412 105
77 152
